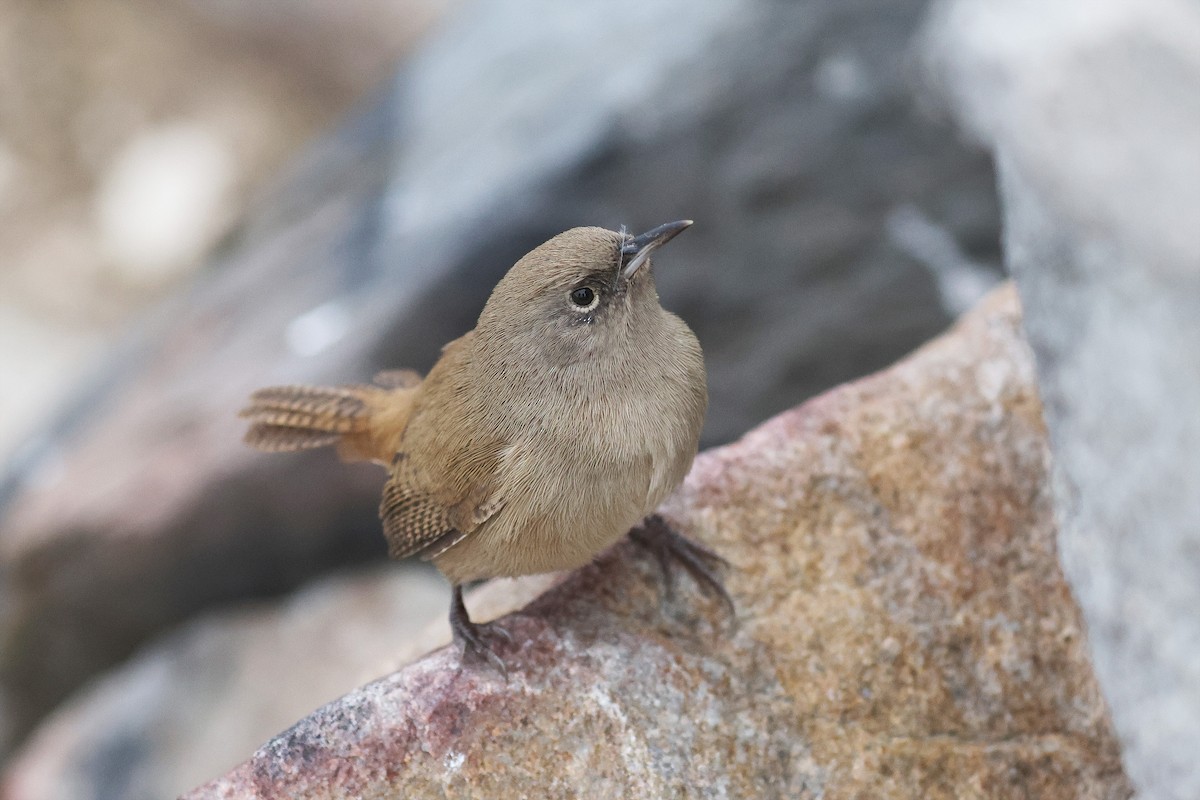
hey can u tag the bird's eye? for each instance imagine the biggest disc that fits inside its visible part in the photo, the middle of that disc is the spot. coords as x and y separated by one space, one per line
583 298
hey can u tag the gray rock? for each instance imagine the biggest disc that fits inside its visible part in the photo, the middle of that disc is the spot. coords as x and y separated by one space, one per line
832 218
1096 123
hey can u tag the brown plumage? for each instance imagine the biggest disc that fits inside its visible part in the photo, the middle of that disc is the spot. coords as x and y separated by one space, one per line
365 422
539 438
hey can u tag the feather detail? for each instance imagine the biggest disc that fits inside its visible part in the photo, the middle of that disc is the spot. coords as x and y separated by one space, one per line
365 422
412 519
282 439
397 378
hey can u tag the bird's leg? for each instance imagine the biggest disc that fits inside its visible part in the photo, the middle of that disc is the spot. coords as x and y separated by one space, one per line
473 637
668 545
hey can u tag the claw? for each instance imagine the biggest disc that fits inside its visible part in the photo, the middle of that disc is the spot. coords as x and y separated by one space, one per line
668 545
473 637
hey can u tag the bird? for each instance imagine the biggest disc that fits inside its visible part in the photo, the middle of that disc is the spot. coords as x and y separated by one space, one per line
547 433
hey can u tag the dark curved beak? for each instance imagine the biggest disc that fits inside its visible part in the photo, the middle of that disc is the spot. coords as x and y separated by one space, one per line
639 248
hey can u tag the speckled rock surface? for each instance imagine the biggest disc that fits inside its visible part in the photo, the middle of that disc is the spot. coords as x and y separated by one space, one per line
1095 122
904 629
192 704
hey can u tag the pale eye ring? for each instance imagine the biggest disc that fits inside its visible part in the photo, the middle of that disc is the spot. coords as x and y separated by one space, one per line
584 298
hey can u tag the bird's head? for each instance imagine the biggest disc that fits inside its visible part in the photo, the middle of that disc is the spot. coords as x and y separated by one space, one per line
585 294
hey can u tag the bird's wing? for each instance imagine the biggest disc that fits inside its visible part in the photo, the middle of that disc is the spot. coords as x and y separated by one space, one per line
420 519
443 483
413 519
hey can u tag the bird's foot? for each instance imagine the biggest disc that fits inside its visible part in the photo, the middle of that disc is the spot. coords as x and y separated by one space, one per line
668 547
476 638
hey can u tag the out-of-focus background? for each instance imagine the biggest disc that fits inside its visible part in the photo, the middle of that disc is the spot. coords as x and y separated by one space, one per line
200 197
133 135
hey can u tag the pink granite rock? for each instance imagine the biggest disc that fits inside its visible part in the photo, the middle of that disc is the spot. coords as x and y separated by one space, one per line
904 629
192 705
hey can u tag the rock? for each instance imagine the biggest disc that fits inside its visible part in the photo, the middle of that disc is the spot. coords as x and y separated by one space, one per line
1095 121
192 705
832 217
903 629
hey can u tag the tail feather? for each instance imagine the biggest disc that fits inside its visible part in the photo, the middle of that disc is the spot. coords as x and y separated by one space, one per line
282 439
397 378
364 421
334 408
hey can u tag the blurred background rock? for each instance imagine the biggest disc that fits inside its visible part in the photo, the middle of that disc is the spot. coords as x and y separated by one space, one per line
200 198
1095 122
132 135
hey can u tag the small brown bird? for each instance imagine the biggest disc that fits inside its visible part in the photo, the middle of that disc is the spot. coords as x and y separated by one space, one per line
538 439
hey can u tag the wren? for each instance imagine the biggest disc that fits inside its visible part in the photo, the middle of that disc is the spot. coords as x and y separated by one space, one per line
538 439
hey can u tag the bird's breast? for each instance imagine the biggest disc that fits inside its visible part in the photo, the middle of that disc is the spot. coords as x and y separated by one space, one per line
585 463
564 503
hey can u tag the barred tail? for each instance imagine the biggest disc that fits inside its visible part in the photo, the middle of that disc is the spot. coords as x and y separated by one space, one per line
365 422
288 418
